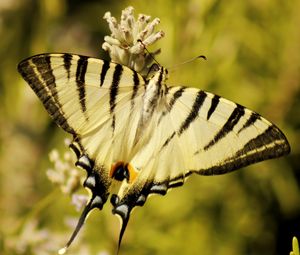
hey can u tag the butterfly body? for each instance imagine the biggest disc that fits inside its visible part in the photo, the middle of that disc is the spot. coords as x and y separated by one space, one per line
140 134
154 91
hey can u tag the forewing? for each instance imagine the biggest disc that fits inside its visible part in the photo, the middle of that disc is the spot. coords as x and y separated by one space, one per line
79 92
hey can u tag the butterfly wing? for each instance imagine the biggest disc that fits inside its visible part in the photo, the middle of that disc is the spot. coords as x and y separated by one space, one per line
94 100
72 87
197 132
220 136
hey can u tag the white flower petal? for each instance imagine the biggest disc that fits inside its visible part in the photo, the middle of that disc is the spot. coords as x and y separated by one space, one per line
153 38
111 40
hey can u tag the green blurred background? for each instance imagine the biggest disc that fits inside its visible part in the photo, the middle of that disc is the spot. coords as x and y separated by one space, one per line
253 58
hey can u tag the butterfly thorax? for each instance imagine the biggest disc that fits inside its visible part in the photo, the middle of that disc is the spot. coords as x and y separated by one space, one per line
155 88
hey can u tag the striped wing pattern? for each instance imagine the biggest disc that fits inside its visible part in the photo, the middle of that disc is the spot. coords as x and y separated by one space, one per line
218 135
199 132
163 133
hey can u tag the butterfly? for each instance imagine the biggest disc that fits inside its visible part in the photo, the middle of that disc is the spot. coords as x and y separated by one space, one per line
136 136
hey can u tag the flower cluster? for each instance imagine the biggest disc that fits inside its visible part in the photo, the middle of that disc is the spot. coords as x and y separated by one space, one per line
67 176
64 173
128 39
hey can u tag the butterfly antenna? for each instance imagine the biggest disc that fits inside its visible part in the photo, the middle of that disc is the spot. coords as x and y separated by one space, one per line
80 223
188 61
150 54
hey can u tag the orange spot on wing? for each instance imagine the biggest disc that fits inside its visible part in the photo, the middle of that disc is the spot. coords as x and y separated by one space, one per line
132 173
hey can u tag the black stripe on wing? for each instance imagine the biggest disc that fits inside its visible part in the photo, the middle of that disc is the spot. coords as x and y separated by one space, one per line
253 118
37 72
201 95
104 70
168 140
271 140
176 96
114 91
214 103
136 83
67 63
234 118
45 70
80 80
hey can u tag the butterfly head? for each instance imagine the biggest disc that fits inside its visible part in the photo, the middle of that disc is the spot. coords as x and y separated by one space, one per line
158 71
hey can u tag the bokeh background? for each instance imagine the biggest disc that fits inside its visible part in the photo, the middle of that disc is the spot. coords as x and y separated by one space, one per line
253 58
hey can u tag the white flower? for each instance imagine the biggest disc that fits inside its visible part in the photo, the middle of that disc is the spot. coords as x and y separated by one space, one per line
79 201
64 173
128 39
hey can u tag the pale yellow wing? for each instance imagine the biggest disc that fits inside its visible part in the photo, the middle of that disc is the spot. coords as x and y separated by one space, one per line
197 132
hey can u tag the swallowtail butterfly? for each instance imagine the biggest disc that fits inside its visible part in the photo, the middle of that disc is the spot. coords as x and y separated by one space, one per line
136 137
